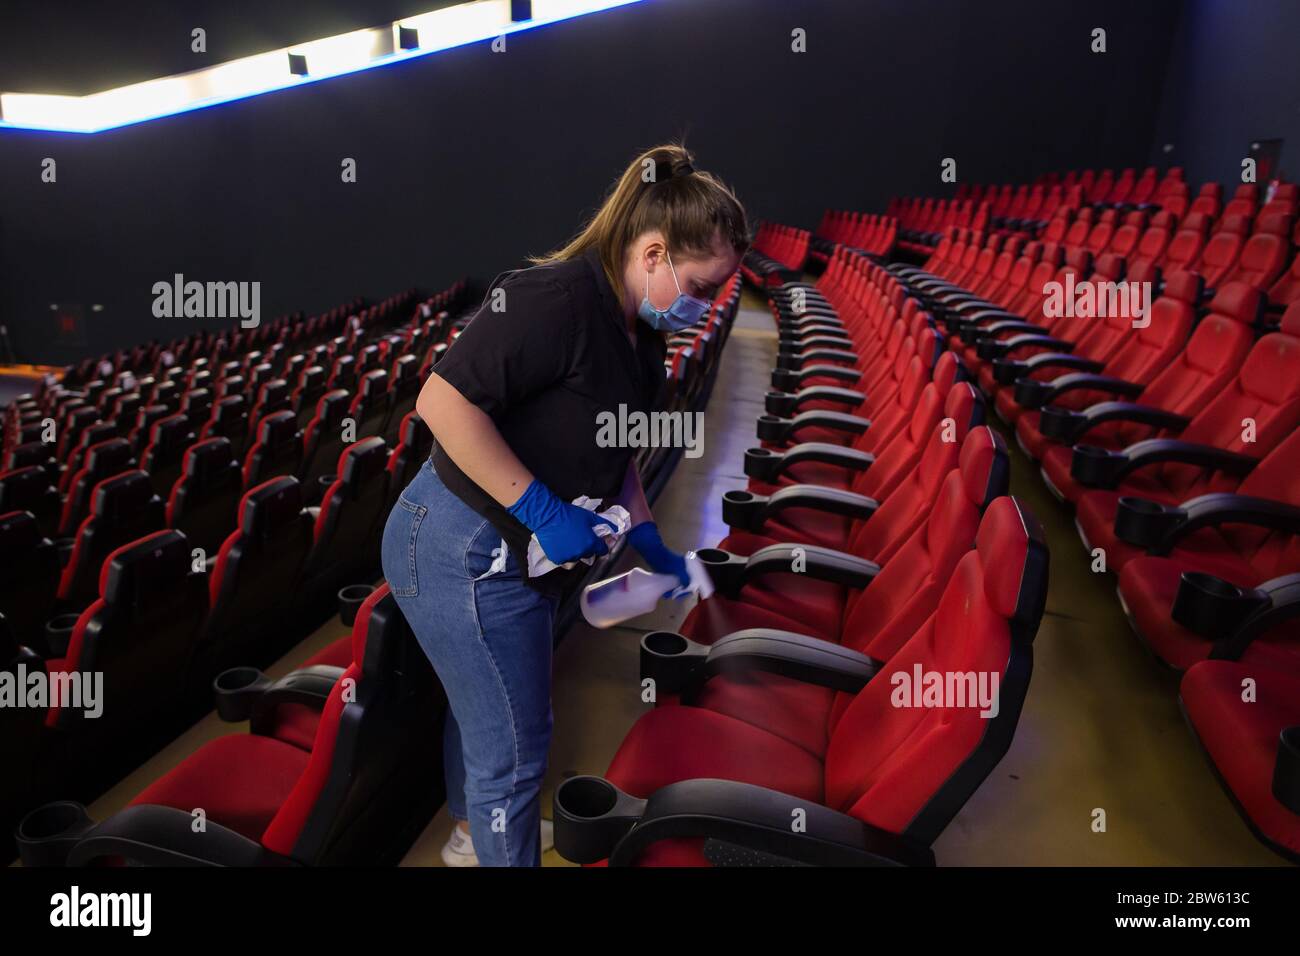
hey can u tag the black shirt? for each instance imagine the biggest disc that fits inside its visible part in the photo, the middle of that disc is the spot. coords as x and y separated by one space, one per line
544 357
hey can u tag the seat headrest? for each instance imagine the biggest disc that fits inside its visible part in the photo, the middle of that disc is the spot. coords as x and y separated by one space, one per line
361 461
332 406
145 570
1291 319
122 495
206 458
171 431
196 399
411 424
1239 225
96 433
374 383
278 428
276 390
405 367
229 409
985 466
108 456
313 376
965 406
1240 301
1013 560
270 506
367 620
1184 286
19 532
1274 225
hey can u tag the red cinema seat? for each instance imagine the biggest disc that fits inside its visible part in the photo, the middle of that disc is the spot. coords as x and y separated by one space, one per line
1262 402
892 776
205 499
1253 742
276 449
359 796
122 509
1242 539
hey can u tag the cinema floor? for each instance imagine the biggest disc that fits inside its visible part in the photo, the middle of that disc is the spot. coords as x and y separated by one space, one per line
1101 728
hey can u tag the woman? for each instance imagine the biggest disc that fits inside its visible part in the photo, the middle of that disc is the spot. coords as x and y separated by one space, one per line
514 407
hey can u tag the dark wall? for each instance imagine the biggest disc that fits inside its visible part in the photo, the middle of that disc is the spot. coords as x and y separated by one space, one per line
1234 77
469 160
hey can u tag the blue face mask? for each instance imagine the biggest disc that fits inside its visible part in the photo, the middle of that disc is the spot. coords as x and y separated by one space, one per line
685 311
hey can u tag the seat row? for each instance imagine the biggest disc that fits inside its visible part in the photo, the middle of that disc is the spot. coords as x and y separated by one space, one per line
341 760
1172 432
874 548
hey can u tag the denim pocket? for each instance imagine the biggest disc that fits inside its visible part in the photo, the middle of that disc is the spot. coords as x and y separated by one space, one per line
400 538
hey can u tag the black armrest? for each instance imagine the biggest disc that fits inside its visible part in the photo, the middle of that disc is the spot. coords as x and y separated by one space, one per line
1098 468
1212 510
747 511
807 320
993 314
1044 393
731 572
678 665
798 347
1068 426
1009 371
788 403
800 359
766 465
742 815
776 429
814 335
974 333
990 349
309 686
1279 602
789 380
164 836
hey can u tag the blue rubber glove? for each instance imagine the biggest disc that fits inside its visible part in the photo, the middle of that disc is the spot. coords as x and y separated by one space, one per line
662 560
563 530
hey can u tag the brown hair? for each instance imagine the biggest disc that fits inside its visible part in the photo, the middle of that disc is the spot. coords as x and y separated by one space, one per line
660 190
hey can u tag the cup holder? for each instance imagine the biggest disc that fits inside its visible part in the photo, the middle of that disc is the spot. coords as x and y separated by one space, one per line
726 570
669 659
591 816
1094 466
761 463
47 835
1057 423
1286 769
1031 393
785 379
1006 371
1145 523
1212 607
780 403
350 600
773 428
744 510
237 690
58 633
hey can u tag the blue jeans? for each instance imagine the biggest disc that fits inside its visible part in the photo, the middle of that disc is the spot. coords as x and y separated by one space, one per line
488 636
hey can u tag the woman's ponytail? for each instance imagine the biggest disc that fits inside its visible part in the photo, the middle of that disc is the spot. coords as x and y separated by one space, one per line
662 190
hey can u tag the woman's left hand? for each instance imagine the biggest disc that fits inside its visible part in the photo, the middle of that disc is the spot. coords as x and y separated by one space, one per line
662 559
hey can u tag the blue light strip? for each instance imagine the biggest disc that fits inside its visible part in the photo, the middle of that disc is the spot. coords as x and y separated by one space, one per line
398 56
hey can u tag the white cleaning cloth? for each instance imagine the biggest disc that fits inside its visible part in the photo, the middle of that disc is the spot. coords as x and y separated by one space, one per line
615 523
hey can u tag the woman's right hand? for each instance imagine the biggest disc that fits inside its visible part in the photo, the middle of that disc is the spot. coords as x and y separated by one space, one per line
565 531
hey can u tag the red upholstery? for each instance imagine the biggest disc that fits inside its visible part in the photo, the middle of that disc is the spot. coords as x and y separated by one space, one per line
907 769
1241 738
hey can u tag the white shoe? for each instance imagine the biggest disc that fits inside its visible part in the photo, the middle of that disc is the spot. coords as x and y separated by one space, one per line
459 848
